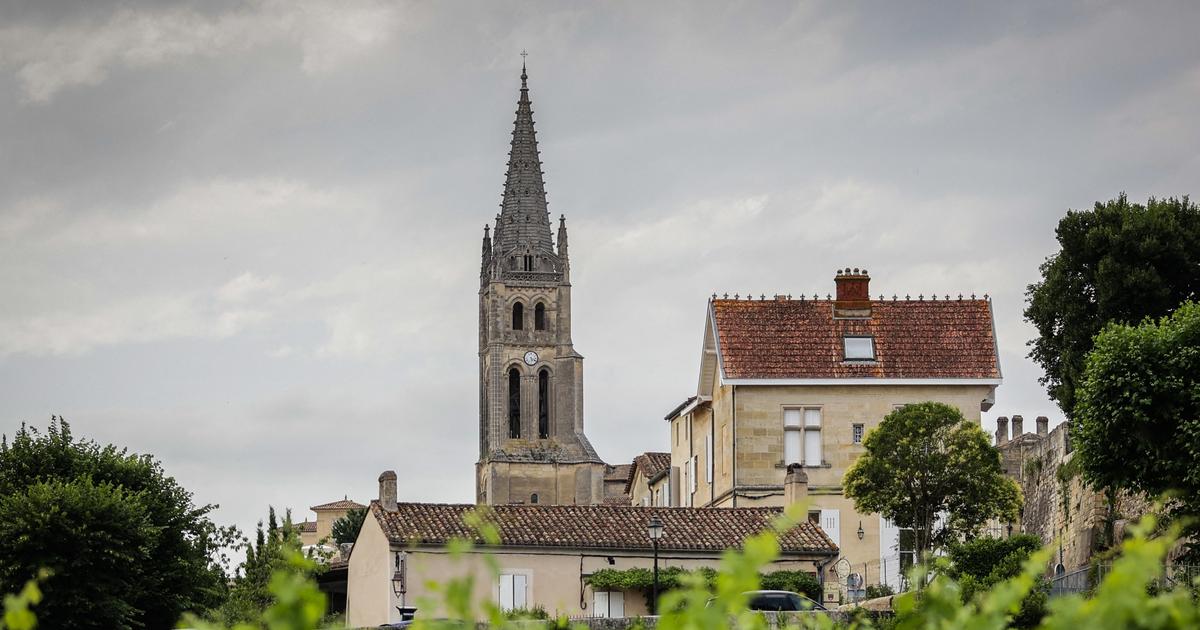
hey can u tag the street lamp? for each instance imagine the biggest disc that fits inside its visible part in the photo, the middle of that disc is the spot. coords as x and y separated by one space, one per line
655 530
861 533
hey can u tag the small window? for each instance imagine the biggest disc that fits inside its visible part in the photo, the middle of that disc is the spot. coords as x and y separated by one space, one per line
859 348
518 318
539 317
814 517
858 434
533 498
513 591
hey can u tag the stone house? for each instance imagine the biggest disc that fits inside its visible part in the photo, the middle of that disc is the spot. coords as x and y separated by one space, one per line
545 554
648 484
801 381
313 532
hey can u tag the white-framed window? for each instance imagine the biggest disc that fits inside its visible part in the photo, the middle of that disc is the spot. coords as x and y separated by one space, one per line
513 591
608 604
858 433
858 348
708 457
802 436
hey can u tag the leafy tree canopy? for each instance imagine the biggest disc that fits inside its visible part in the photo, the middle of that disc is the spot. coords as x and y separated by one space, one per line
1119 262
1137 421
271 553
345 529
923 460
124 543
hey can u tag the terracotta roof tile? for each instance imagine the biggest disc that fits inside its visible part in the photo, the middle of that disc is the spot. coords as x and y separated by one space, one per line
307 527
651 464
596 526
617 500
769 339
340 504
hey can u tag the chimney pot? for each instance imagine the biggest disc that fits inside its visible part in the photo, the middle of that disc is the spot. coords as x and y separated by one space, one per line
1018 427
1043 425
795 485
1001 430
387 491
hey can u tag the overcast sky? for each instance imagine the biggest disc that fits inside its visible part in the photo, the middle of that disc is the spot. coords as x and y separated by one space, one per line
245 236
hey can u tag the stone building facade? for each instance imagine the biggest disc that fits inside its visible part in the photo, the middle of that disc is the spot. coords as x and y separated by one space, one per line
1059 506
801 381
532 447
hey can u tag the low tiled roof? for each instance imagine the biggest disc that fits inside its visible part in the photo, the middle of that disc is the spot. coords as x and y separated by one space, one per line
620 472
674 412
596 526
341 504
307 527
617 500
651 464
778 339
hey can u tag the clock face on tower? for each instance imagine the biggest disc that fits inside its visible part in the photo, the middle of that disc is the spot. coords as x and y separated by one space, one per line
531 357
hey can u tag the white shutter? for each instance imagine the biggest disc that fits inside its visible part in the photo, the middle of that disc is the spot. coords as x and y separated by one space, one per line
708 457
889 553
831 522
793 434
600 604
616 604
694 458
506 592
519 591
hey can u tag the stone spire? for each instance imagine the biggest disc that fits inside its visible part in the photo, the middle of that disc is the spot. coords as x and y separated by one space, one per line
524 218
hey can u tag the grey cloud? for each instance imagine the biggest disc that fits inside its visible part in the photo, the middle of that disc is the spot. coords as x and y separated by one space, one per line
245 237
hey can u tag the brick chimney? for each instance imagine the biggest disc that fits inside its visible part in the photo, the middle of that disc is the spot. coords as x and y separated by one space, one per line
1018 424
1001 430
795 485
1043 425
853 293
387 491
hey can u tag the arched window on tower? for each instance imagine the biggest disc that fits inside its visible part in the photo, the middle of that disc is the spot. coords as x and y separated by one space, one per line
533 498
518 316
514 403
543 404
539 317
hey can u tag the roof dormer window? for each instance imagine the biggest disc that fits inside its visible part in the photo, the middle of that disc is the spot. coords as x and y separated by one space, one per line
858 348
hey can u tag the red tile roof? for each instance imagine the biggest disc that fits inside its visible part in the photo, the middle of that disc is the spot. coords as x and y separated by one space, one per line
340 504
800 339
307 527
650 464
596 526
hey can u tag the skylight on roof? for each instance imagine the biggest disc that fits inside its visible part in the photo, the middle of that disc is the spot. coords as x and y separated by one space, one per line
858 348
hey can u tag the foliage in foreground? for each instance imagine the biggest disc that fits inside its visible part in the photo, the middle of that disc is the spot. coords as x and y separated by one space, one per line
1137 422
925 459
1121 601
123 542
272 553
1118 262
980 564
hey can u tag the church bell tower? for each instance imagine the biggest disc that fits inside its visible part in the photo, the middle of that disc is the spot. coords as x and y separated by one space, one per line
532 448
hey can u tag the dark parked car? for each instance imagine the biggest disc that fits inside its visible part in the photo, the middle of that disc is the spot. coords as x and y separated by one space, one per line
781 601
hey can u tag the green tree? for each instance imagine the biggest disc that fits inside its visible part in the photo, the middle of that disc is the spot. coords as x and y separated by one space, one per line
124 544
1119 262
345 529
1137 421
271 552
923 460
981 563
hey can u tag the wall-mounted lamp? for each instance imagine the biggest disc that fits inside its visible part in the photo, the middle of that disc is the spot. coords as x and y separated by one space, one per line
861 533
